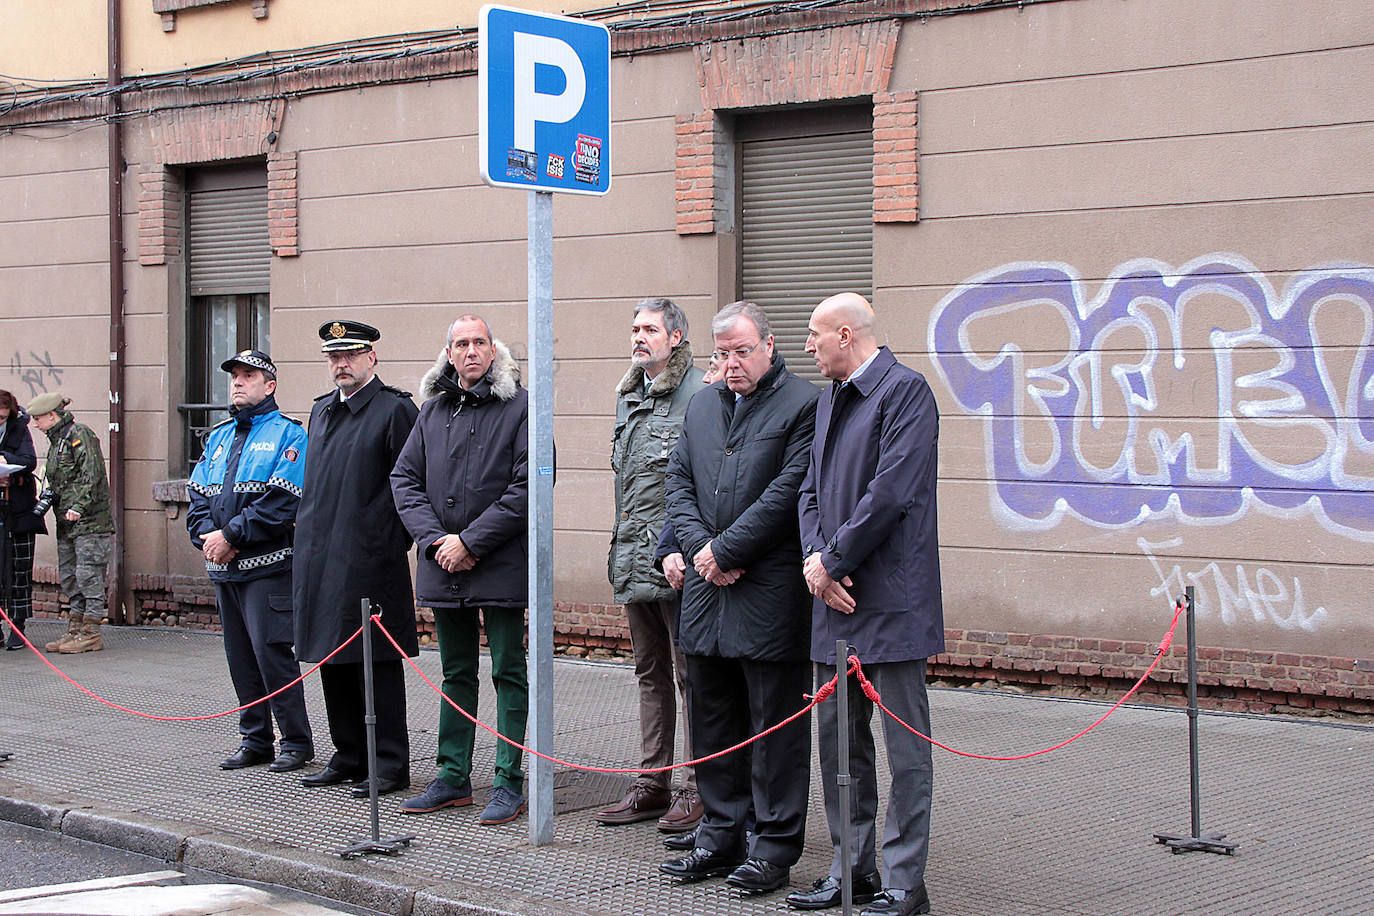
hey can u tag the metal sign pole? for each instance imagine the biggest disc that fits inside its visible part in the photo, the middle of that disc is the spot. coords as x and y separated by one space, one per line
540 258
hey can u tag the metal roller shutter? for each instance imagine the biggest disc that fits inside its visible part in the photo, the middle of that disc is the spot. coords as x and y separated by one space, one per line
806 228
227 237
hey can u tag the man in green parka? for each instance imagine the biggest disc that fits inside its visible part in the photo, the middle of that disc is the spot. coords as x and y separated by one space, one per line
75 474
650 402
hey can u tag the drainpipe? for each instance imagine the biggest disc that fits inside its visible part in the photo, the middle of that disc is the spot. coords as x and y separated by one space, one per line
115 146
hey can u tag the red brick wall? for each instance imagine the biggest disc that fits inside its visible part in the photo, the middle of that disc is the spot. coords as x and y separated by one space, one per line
697 194
896 189
159 215
819 65
282 223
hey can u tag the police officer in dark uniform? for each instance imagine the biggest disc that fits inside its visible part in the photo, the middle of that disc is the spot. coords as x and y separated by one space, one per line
244 493
350 545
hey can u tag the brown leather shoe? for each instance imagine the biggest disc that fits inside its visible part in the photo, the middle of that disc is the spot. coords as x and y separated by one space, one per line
684 812
641 803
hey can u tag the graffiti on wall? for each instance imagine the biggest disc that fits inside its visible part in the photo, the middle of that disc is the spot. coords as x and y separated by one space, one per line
36 371
1198 395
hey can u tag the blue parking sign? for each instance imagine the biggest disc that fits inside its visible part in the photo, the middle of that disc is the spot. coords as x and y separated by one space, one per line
544 84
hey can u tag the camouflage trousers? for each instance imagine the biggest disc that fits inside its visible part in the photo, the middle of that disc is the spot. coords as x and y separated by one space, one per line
82 562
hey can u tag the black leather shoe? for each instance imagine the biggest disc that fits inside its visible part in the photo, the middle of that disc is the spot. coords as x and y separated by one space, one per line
826 892
700 863
384 786
684 842
758 876
244 757
328 777
897 902
290 760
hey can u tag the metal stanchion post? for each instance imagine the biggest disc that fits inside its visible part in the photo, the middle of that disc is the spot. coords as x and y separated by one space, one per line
842 774
392 846
1211 842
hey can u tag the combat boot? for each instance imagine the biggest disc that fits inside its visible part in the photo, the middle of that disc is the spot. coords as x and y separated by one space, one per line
73 631
88 640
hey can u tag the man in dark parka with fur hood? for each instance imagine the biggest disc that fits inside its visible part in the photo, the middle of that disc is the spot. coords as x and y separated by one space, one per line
461 487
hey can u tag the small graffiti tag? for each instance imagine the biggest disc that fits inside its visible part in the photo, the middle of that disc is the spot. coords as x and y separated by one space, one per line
37 372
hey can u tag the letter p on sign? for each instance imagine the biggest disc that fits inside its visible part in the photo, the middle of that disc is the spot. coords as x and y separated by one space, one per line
544 86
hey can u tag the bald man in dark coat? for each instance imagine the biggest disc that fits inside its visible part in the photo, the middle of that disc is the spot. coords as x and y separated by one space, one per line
868 529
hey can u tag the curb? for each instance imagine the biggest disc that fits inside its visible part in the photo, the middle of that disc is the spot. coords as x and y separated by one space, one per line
299 870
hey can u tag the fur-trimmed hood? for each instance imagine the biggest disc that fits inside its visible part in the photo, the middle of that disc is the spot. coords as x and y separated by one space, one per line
504 374
678 363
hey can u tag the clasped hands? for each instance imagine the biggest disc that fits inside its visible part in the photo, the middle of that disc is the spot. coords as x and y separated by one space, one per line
834 594
453 555
217 548
706 565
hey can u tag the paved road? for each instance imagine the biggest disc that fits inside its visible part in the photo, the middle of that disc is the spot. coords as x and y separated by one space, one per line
32 858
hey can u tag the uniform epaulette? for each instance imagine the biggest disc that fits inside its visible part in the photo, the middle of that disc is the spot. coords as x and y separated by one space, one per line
292 419
394 390
222 422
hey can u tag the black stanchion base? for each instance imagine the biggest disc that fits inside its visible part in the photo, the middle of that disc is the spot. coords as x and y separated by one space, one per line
389 847
1211 842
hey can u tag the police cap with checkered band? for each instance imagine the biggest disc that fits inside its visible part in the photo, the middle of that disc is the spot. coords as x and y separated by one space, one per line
253 359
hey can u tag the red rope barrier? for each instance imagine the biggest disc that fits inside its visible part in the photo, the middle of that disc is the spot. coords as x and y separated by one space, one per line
872 693
147 715
823 693
819 697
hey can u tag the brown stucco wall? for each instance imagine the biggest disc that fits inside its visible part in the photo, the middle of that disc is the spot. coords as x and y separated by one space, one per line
1062 148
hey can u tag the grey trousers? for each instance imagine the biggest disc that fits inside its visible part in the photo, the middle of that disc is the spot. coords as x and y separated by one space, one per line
662 675
906 835
82 562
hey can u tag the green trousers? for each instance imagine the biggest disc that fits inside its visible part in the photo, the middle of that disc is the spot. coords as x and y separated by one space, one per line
458 637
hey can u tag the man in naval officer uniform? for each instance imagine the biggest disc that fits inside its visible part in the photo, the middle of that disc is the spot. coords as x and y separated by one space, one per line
244 492
356 431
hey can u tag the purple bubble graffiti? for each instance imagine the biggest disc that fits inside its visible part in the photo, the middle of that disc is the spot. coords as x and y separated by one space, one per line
1060 404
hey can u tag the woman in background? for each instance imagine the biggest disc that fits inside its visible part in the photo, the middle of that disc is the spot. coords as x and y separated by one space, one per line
19 525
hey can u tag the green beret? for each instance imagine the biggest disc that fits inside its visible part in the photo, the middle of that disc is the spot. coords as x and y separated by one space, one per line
46 403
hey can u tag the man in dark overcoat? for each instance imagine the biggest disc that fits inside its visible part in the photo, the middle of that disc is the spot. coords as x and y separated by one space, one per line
868 526
351 545
732 496
461 485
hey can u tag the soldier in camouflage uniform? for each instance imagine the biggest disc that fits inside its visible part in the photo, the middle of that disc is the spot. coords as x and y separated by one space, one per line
81 504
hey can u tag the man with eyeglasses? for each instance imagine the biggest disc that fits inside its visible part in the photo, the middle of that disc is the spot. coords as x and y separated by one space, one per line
357 430
745 628
868 523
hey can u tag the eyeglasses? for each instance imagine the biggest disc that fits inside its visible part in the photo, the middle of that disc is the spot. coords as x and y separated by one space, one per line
739 353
